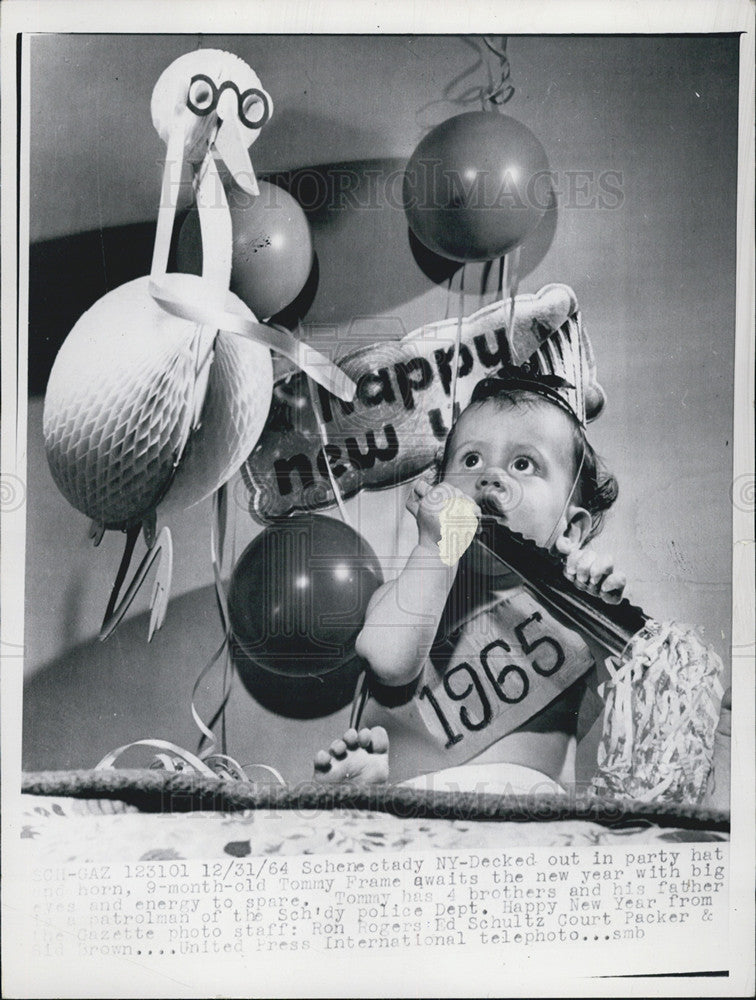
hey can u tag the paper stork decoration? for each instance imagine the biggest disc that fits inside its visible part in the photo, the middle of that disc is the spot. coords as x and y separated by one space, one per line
165 383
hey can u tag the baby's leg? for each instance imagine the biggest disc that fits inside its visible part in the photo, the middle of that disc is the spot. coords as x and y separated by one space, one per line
361 758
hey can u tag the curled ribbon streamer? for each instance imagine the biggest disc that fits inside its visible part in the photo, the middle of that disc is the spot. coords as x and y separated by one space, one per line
211 765
230 320
271 770
230 768
186 756
207 733
166 760
240 769
217 538
228 666
217 531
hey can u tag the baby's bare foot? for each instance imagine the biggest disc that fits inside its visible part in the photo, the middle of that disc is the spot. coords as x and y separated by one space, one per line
359 757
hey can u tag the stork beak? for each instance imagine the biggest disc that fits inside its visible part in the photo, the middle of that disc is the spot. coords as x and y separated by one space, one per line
231 145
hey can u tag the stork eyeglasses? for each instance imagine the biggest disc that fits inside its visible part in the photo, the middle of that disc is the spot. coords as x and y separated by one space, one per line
204 95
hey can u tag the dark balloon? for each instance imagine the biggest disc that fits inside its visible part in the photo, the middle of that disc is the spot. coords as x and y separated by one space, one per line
272 248
476 186
297 602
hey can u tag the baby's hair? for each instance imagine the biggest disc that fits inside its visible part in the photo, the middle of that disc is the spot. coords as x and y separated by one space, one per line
596 489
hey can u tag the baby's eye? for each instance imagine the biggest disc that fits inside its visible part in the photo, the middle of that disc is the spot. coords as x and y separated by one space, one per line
471 460
523 464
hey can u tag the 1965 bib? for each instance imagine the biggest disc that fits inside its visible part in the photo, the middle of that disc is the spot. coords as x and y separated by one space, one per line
494 672
484 679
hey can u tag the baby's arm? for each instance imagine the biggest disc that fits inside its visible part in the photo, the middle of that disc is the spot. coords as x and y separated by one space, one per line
403 615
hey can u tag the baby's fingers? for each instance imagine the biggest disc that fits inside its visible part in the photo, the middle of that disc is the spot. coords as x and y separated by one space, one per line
600 568
565 545
613 588
580 565
574 557
595 573
420 489
606 581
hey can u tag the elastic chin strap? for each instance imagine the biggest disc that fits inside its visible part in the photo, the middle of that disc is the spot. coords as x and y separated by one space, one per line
555 530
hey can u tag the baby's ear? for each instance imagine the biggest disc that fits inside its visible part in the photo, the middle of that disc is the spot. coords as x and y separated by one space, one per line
578 527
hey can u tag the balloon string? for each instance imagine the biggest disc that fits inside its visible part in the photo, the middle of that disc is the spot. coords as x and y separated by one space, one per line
503 90
228 665
512 282
485 275
457 92
205 730
217 536
218 531
220 519
227 677
399 522
448 296
315 403
500 283
359 700
458 340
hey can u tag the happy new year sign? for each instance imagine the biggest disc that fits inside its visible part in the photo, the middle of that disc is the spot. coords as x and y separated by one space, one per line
400 416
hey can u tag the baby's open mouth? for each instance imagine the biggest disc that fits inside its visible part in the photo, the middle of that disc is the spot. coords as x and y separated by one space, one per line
493 505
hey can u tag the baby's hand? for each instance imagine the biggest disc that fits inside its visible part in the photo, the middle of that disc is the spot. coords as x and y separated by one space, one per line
592 572
428 502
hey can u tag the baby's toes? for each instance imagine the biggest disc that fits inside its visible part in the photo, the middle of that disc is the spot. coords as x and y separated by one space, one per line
338 749
365 737
322 760
351 739
380 740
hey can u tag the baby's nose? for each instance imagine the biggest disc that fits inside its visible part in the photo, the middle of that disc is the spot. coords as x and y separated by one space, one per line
491 479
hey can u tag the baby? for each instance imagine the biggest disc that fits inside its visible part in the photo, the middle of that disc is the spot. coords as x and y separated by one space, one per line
464 664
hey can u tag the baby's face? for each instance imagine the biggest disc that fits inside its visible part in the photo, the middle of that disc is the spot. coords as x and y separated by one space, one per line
520 457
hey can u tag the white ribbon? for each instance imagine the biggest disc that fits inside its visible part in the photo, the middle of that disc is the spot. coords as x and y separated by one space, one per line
195 307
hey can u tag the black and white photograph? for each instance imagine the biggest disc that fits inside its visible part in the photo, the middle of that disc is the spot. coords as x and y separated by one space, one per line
377 498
